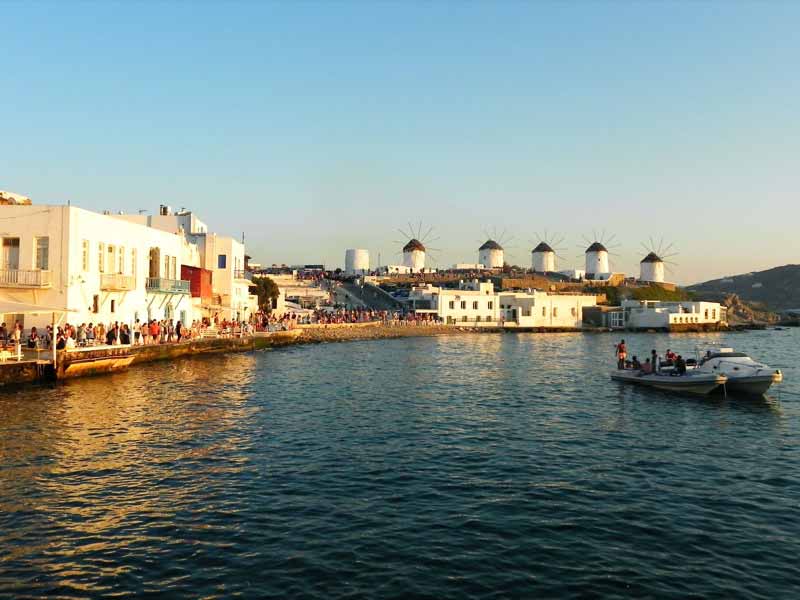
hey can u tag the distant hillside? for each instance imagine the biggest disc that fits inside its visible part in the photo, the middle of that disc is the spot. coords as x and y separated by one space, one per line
773 289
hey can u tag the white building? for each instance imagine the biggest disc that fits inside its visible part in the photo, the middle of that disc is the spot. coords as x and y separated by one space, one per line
477 304
544 310
654 314
101 268
491 254
223 256
356 261
414 256
543 258
473 303
651 268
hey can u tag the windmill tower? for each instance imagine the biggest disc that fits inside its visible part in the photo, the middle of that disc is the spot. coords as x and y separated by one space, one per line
653 266
414 251
414 255
543 258
596 259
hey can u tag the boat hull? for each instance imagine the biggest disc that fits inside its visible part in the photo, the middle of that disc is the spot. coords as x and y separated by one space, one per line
689 383
756 385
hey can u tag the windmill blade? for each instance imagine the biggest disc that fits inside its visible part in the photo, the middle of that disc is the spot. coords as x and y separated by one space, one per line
427 233
419 229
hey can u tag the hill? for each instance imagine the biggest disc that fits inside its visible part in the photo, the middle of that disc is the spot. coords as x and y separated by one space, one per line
774 289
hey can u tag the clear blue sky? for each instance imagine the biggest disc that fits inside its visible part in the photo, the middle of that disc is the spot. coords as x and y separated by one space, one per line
314 127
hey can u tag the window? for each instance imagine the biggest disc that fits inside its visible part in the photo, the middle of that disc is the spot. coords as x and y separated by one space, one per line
452 304
101 256
85 255
121 260
42 253
706 314
555 311
113 306
96 303
463 304
133 262
475 305
478 319
713 313
490 305
174 267
464 318
11 253
544 311
166 268
489 317
222 261
574 312
110 266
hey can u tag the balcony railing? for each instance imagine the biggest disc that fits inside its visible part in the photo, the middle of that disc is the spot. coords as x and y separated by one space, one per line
243 275
17 278
167 286
111 282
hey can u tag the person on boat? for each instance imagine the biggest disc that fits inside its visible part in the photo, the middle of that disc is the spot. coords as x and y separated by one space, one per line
622 354
654 360
635 364
680 365
647 367
670 357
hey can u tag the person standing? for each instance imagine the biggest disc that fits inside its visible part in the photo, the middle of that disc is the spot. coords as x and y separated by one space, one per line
622 354
654 361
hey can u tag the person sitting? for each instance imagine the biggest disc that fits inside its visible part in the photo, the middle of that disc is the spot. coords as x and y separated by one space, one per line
680 365
647 367
670 357
635 364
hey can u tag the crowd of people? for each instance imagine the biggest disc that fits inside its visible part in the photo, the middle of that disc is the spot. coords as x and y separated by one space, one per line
336 316
162 331
652 364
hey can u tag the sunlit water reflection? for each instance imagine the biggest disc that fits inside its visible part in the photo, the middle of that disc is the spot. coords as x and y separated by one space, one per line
465 466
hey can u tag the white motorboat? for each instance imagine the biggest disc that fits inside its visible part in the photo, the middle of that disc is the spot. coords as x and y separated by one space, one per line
693 381
745 376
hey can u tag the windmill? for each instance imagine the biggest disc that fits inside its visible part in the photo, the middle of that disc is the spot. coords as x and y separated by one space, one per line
653 265
596 254
491 253
414 250
544 254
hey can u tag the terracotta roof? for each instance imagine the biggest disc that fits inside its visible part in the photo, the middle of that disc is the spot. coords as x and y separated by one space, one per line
490 245
651 258
543 247
413 244
596 247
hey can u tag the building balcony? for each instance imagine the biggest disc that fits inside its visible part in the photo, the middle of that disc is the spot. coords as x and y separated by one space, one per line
17 278
243 276
167 286
111 282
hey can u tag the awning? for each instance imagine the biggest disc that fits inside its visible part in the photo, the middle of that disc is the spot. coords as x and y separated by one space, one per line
26 308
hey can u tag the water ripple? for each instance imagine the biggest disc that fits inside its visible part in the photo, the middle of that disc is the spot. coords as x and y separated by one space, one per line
487 466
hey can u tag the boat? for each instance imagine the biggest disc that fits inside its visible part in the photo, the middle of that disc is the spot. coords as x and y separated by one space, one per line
693 382
745 376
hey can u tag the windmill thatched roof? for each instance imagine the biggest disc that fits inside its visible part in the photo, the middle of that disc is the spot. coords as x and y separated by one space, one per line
490 245
413 244
596 247
651 258
543 247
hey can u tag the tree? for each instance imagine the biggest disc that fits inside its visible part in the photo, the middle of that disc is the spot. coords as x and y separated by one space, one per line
266 290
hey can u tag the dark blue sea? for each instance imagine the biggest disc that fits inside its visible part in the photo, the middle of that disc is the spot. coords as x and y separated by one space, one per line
472 466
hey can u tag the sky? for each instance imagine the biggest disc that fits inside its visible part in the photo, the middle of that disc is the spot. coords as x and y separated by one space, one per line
312 127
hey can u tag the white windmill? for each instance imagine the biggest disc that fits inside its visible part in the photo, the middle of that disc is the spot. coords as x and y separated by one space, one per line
653 266
596 255
544 254
414 250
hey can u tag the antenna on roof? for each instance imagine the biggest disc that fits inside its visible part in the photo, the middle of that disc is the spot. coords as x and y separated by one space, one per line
142 211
